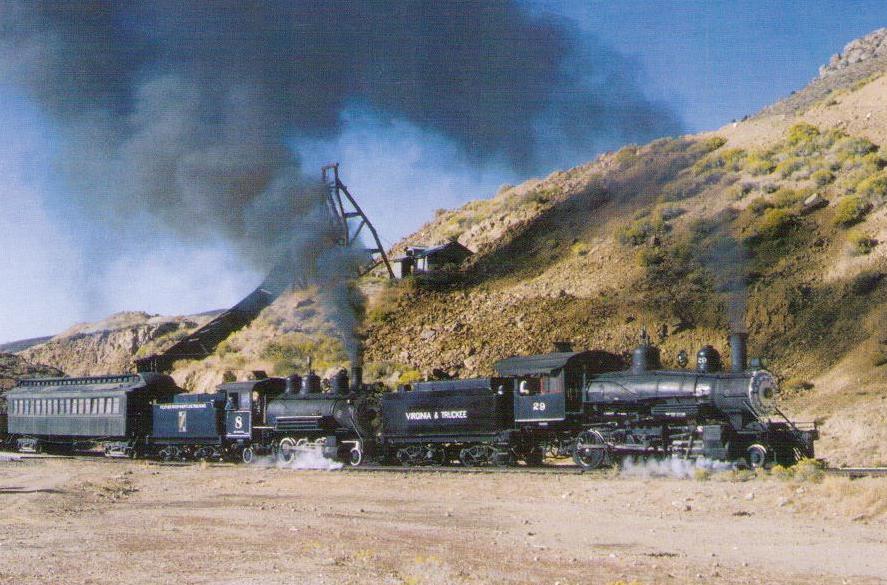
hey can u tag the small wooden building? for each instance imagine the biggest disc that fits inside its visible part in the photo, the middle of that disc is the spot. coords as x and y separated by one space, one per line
418 260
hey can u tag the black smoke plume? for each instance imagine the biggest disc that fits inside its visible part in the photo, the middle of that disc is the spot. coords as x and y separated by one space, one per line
184 109
185 112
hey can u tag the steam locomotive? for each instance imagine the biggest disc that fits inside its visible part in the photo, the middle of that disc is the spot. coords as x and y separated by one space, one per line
563 403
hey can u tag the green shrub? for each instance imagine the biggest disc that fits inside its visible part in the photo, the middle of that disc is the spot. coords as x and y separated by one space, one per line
787 198
712 143
627 155
790 166
580 249
409 377
800 133
650 257
757 164
759 205
808 470
731 159
641 230
290 353
775 223
879 359
798 384
861 243
822 177
671 212
865 282
850 210
852 147
874 188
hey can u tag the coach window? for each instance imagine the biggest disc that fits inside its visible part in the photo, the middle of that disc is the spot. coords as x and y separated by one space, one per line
116 406
51 406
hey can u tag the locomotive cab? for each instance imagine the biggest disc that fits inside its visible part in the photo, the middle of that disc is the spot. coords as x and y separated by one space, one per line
547 387
246 405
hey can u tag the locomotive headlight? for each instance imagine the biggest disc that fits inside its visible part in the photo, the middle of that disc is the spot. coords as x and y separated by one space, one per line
762 391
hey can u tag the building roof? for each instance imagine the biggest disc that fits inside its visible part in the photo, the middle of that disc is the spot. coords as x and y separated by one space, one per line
422 252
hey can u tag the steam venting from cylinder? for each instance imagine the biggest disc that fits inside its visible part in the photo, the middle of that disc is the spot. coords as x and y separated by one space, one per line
738 351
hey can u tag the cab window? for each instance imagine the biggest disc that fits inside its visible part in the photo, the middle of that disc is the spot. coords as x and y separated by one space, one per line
528 386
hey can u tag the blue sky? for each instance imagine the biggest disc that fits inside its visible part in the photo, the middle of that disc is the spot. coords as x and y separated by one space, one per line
710 62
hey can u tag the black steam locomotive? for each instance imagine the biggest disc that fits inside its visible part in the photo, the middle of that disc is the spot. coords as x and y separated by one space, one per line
579 404
564 403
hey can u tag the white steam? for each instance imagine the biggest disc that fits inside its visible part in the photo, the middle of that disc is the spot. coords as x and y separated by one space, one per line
673 467
304 458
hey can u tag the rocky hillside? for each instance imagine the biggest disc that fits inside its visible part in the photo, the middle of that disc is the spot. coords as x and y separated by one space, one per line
109 346
13 367
778 221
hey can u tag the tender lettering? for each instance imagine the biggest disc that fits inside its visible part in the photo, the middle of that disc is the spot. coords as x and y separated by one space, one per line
437 414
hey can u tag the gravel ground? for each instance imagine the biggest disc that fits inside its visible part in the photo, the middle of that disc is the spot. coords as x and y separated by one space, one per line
113 522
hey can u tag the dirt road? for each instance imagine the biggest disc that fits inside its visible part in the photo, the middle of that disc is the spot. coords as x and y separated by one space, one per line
101 522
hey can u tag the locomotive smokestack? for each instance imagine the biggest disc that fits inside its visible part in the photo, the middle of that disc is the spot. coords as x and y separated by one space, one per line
357 369
738 351
356 378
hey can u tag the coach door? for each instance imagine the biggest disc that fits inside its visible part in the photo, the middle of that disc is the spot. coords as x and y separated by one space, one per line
540 398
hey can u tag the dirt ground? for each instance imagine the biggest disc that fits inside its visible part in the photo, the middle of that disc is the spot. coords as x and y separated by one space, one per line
115 522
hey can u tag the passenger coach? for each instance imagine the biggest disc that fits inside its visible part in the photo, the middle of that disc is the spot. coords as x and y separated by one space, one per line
66 413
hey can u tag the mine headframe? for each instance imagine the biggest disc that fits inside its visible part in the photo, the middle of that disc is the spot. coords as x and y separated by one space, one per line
350 220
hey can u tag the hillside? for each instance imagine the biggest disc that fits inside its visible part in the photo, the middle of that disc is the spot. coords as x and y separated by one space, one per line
13 367
110 345
671 236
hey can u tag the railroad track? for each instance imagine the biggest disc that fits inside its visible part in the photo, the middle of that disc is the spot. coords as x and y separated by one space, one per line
545 470
851 472
854 472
